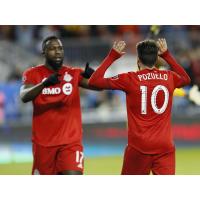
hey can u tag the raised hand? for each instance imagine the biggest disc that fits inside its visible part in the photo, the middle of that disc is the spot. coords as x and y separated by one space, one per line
119 47
88 71
162 45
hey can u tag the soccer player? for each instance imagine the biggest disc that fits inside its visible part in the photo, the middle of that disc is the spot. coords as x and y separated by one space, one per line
53 89
149 93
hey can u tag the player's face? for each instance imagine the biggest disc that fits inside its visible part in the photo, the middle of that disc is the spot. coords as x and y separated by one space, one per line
54 54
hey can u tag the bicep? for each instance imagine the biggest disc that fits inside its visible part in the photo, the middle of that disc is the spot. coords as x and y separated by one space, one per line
84 83
118 82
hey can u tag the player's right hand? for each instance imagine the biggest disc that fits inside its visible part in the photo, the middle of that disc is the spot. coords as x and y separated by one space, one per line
119 47
162 46
53 79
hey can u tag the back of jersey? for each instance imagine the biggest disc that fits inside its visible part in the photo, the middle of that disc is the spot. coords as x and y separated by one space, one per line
149 95
149 104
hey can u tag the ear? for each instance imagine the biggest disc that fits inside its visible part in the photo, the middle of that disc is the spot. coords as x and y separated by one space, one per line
138 63
43 53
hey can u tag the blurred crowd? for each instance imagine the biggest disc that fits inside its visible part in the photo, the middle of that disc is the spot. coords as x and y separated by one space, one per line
183 41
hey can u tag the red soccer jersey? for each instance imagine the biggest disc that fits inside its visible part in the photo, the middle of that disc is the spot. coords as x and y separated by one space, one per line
149 95
56 110
149 101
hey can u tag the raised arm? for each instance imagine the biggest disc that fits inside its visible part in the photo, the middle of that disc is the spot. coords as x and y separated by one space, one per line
97 79
166 55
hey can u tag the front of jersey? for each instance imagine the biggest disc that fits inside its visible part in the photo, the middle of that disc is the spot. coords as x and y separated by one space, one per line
56 110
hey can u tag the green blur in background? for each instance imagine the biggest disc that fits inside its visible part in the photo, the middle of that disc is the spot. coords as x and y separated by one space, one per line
187 163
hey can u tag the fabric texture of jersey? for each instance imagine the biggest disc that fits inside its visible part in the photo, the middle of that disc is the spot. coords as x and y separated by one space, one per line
56 110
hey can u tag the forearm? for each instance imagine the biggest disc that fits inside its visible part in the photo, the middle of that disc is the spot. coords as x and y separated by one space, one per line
30 93
97 79
176 67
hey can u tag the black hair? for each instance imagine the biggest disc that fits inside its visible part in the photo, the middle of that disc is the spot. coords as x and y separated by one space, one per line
45 41
147 52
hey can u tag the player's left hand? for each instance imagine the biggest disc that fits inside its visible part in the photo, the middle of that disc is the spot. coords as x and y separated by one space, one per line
119 47
162 46
88 71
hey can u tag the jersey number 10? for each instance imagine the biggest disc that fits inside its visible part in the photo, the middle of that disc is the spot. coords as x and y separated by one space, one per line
155 91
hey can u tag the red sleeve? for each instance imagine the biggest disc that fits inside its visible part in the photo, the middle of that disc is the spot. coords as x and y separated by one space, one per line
178 82
97 79
119 82
28 77
180 76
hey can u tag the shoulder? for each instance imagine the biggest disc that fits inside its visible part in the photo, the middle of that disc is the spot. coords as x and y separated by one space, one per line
34 69
30 75
121 76
132 73
169 73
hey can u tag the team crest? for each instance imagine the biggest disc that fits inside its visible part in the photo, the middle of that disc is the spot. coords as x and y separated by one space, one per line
67 77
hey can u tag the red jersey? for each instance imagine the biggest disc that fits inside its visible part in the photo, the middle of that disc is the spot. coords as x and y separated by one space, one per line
149 95
56 110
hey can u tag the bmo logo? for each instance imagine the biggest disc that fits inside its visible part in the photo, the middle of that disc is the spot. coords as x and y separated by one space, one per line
67 90
51 91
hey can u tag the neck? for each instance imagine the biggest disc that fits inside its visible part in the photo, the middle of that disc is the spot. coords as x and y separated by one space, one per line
50 67
146 67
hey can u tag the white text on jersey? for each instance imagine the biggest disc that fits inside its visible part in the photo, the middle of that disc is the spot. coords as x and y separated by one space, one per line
150 76
67 90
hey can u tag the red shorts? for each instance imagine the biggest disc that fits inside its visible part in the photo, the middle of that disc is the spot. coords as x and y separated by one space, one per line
137 163
52 160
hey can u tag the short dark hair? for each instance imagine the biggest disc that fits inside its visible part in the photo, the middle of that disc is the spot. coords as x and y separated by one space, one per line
147 52
49 38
